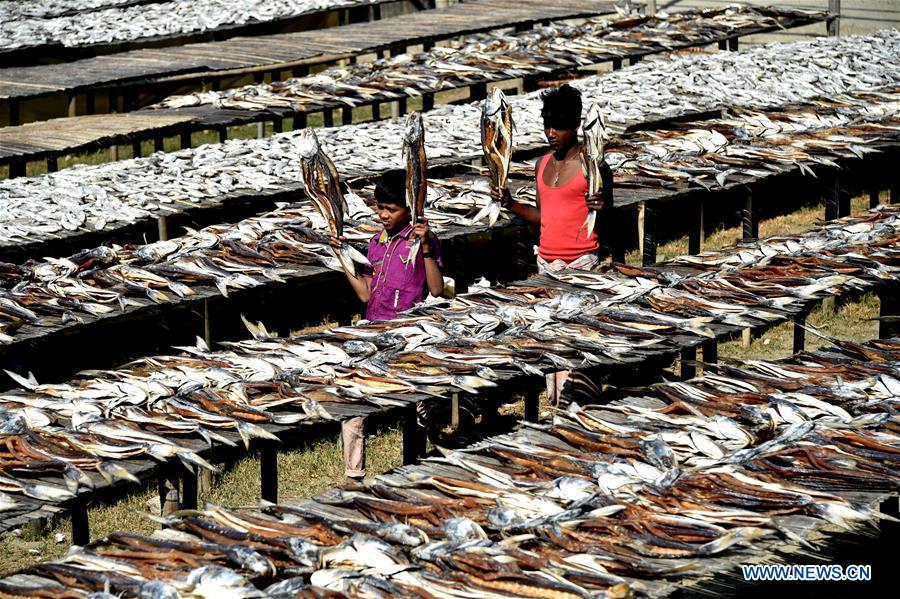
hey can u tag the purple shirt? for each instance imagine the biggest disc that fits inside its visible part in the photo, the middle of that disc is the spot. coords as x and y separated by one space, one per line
396 285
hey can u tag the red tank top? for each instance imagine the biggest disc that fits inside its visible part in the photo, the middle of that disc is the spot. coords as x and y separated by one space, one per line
563 210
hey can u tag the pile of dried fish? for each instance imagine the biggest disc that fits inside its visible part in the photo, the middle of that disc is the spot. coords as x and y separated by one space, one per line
495 56
172 18
15 10
106 281
76 431
604 501
110 195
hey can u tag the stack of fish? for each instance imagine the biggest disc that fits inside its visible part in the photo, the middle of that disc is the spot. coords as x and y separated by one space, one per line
495 56
604 501
171 18
109 195
108 280
577 319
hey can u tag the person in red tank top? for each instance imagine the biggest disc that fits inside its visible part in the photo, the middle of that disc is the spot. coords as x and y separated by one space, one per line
563 202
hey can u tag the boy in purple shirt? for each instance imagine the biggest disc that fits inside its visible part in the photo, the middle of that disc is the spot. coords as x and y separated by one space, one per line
392 284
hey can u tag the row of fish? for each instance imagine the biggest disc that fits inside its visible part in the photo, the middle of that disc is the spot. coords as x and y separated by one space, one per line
78 431
491 57
615 500
14 10
162 19
106 281
111 195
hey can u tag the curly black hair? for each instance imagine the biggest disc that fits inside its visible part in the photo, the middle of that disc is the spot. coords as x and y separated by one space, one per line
391 188
562 107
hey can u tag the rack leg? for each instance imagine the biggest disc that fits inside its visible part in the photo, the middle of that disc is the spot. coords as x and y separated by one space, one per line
889 326
749 221
413 436
695 236
162 227
81 532
873 197
268 471
688 370
799 334
710 350
532 404
647 232
189 488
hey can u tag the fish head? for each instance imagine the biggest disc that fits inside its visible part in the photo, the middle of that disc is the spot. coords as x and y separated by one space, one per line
157 589
414 128
495 104
308 144
462 529
304 552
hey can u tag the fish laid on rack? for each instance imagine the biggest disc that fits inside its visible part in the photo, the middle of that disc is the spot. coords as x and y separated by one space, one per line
612 500
110 195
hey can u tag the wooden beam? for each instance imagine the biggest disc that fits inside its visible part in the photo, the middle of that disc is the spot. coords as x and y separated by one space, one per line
162 227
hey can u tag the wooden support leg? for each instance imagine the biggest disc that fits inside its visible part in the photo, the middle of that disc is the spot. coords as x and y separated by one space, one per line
189 488
81 532
478 91
113 101
136 150
635 59
428 101
529 83
688 370
113 153
376 111
695 236
300 121
17 168
52 165
799 333
207 324
401 106
346 115
489 414
158 144
328 117
185 140
889 325
162 227
733 44
532 404
260 130
413 436
90 103
13 113
72 109
746 337
616 64
169 492
268 472
873 197
223 134
837 200
648 234
277 125
454 410
723 44
894 197
749 221
710 349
